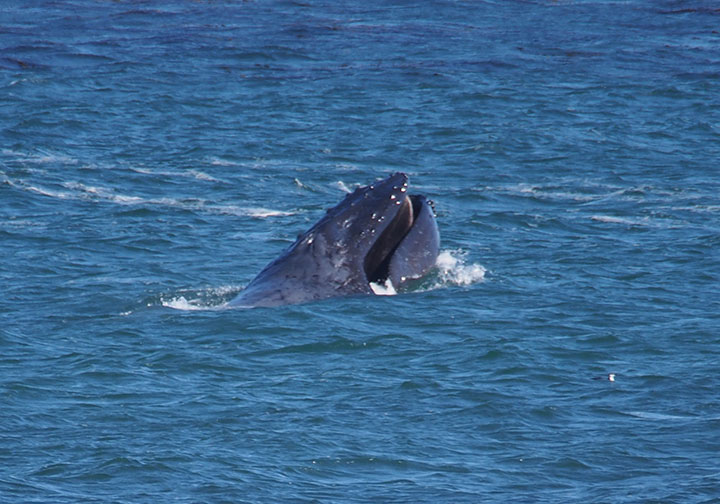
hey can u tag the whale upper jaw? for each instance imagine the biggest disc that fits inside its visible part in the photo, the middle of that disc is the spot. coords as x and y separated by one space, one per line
378 232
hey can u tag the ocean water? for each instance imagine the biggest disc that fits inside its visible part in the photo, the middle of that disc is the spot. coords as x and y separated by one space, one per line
155 155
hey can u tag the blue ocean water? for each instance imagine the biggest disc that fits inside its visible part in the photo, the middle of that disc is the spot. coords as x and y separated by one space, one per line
155 155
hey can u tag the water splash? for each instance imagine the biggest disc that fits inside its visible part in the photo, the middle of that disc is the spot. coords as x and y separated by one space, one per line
343 187
180 303
213 298
451 269
454 270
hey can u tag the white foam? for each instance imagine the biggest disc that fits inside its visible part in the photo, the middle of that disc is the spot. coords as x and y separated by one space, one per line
196 174
213 298
40 157
552 192
657 416
103 193
697 208
341 185
82 187
49 192
384 289
46 157
453 270
255 212
128 200
266 212
618 220
203 176
80 191
180 303
142 170
216 161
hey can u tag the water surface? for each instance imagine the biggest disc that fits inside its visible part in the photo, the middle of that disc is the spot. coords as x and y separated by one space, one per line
154 156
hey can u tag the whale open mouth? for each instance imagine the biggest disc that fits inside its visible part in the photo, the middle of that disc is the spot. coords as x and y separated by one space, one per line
378 258
377 236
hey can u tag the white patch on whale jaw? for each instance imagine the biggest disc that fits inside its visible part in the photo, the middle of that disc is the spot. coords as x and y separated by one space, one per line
384 289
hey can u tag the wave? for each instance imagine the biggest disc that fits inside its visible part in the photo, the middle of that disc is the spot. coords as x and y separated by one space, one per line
217 161
608 219
194 174
79 191
40 157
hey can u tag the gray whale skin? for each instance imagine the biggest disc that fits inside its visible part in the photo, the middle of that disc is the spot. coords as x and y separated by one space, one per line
376 233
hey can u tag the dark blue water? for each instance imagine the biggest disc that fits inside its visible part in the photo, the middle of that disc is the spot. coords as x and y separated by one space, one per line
154 156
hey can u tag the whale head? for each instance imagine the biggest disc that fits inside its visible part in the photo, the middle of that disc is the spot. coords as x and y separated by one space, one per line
377 233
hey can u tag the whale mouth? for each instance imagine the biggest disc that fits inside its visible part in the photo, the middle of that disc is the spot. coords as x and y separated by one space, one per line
377 260
377 236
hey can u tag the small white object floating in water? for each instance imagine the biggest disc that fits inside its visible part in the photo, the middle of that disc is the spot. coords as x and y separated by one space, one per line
610 377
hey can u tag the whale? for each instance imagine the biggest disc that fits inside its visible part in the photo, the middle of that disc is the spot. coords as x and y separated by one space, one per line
376 235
